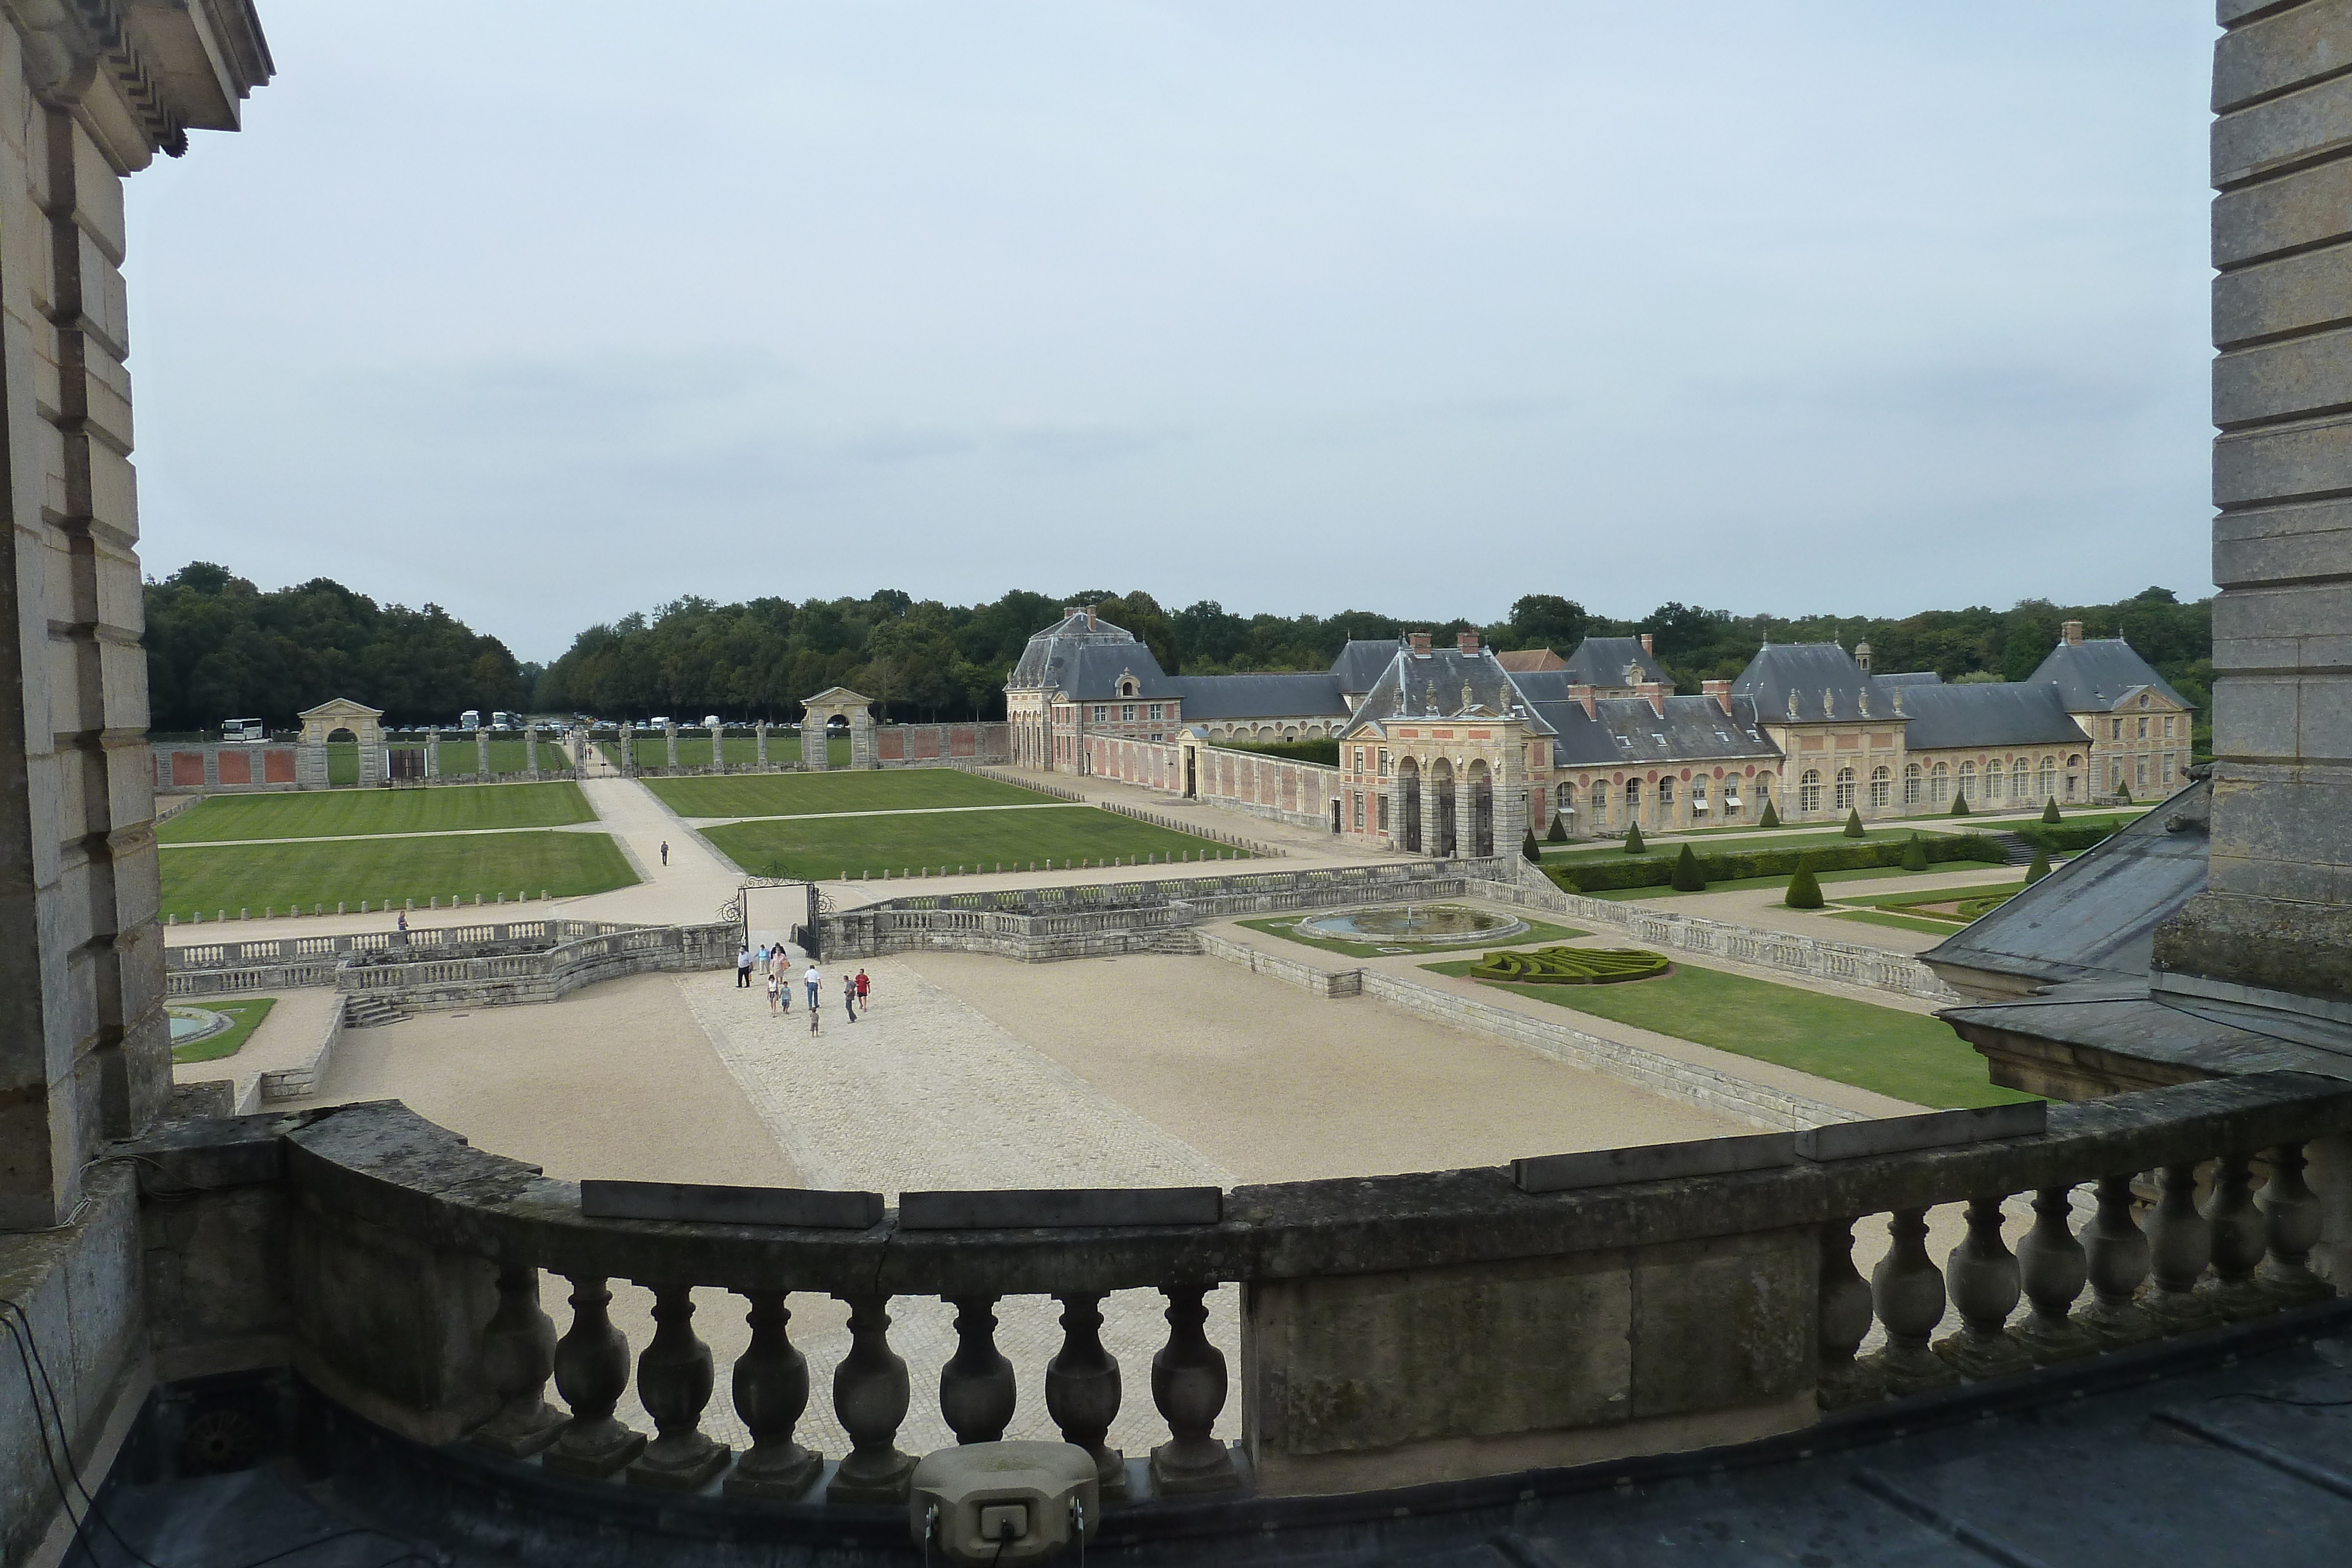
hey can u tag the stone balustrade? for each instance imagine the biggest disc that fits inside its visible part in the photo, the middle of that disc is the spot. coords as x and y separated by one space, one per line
1394 1331
463 940
451 967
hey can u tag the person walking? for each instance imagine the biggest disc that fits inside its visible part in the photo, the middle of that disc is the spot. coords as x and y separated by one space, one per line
775 991
780 973
665 851
743 969
864 985
813 980
849 997
403 922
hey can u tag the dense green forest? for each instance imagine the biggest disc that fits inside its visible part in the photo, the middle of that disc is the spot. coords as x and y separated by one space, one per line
220 648
928 660
217 647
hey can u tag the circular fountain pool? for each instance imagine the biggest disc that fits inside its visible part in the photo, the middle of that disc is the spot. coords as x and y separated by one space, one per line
1431 923
190 1025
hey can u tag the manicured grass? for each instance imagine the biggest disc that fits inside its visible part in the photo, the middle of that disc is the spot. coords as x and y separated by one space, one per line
1286 927
1867 874
1937 895
321 813
694 750
811 794
284 876
1882 1049
1814 839
508 754
248 1011
1929 923
828 847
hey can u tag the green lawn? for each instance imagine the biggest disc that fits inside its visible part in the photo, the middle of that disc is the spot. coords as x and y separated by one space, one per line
284 876
804 794
1938 894
248 1012
1286 927
508 754
1888 1051
828 846
1867 874
694 750
1929 923
1812 839
338 813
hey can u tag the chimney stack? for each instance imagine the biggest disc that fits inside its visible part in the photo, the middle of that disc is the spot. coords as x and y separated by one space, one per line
1466 642
1579 694
1091 623
1068 611
2073 631
1646 643
1655 693
1419 641
1721 691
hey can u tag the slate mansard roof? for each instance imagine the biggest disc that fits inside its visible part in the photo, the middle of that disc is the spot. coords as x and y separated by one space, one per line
2012 713
2095 674
1433 685
1626 731
1361 663
1052 655
1269 696
1824 680
1602 661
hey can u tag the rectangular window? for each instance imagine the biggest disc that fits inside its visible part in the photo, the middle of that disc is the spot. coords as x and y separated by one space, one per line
2117 733
1384 767
1357 816
1127 714
1101 713
1384 809
2143 730
2139 773
1155 713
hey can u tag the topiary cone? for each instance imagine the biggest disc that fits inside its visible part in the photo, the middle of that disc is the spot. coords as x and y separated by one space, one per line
1558 835
1528 848
1687 877
1854 823
1770 819
1959 805
1914 854
2050 809
1634 844
2039 868
1804 890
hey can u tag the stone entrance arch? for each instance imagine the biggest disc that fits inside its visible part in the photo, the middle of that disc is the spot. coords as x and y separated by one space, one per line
366 725
817 713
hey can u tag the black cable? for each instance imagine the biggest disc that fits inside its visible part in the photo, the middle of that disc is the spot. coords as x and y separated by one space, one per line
47 1454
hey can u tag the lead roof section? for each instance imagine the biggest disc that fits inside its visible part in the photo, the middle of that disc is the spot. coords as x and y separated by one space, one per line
1828 686
2010 712
1602 661
1362 661
1628 730
2097 675
1268 695
1445 683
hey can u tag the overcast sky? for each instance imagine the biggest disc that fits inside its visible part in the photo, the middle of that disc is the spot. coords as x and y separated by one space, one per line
549 312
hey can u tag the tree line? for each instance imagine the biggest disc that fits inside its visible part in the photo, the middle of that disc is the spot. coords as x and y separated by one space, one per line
217 647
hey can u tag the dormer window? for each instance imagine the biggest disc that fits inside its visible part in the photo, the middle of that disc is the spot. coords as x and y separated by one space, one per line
1127 686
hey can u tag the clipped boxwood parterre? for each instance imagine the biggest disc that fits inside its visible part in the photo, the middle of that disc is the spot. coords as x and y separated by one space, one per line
1570 966
1658 871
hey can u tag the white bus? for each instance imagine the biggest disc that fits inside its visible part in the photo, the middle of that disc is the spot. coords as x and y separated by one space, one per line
471 719
503 720
245 731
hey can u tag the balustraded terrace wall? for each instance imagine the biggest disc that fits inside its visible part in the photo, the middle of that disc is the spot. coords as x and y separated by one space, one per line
452 966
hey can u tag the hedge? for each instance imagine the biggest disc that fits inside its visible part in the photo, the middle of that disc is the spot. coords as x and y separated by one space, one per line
2065 838
1658 871
1323 752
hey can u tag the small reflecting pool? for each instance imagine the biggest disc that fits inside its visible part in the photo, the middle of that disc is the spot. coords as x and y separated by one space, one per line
1435 924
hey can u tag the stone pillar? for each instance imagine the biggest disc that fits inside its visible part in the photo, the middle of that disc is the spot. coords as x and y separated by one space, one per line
311 767
628 750
861 740
2276 921
530 752
482 752
432 754
1510 804
371 763
669 737
760 741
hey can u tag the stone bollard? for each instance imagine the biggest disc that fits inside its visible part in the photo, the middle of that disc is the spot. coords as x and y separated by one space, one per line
502 898
434 902
363 906
245 914
477 901
339 907
542 895
410 903
169 920
269 912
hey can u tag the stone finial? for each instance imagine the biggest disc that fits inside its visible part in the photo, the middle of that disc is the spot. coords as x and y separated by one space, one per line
1792 702
1467 702
1863 701
1828 702
1897 694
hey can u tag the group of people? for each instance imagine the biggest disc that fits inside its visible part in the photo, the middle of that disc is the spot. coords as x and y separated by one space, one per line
776 964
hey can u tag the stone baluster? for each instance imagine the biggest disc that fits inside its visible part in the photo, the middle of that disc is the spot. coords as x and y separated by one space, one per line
976 1387
1985 1285
1188 1384
2053 1268
1845 1322
518 1358
771 1390
870 1394
2179 1246
1082 1388
2116 1255
674 1381
1908 1292
2291 1212
592 1372
2239 1235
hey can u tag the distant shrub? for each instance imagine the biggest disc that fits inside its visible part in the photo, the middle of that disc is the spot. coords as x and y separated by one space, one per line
1634 844
1853 828
1770 819
1687 877
2066 838
2050 809
1915 855
2039 868
1558 835
1959 805
1804 890
1610 874
1326 753
1529 851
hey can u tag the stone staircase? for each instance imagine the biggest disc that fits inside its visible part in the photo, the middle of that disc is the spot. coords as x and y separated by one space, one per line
369 1012
2014 851
1180 939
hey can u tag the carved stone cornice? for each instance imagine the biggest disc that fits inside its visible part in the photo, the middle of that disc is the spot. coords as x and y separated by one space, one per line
173 64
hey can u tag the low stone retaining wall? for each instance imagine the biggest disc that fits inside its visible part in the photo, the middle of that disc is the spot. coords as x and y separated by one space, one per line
1841 963
1660 1074
441 941
1173 824
432 983
301 1080
1281 789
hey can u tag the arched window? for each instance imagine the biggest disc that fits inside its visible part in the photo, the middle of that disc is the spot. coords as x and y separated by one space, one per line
1912 779
1844 802
1633 796
1763 791
1939 785
1969 782
1882 786
1566 798
2049 776
2074 776
1665 793
2020 777
1993 777
1698 795
1809 791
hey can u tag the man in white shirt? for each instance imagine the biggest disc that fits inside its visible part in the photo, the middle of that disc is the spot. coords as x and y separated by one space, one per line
813 980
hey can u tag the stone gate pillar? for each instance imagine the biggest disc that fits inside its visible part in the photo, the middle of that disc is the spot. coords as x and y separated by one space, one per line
628 750
861 740
482 752
530 752
759 740
669 735
432 754
1465 813
310 765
